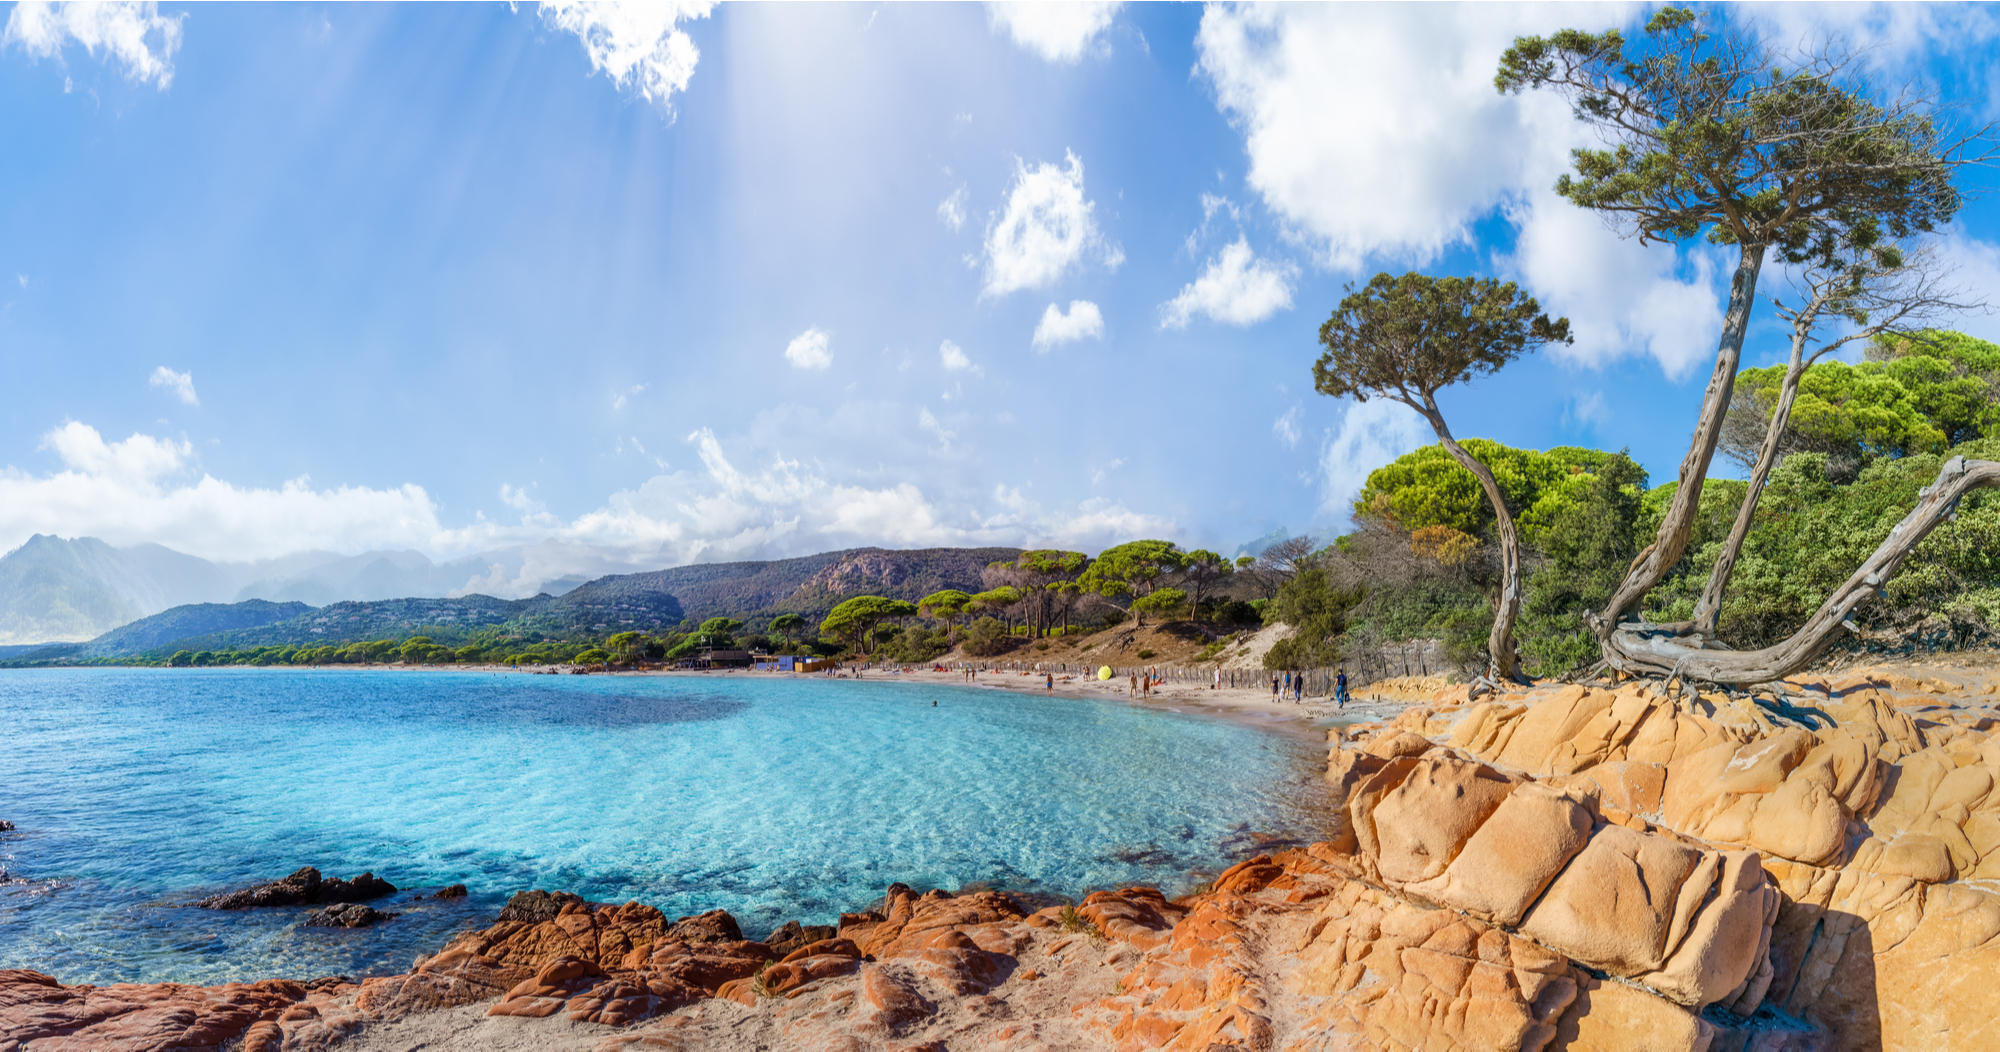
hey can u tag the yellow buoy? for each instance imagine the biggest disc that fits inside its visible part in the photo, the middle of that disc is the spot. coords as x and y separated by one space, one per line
1104 673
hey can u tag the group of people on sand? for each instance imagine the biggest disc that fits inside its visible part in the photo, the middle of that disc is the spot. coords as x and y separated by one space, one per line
1294 683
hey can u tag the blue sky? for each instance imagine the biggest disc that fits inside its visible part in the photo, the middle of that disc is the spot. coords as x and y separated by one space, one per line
685 284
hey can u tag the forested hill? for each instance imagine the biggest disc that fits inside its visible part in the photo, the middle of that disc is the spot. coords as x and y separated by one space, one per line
810 585
191 620
654 603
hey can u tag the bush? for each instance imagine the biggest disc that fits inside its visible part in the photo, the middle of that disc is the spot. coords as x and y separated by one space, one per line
593 656
1145 653
987 637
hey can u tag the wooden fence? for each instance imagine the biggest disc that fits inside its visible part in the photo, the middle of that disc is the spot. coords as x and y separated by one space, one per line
1417 658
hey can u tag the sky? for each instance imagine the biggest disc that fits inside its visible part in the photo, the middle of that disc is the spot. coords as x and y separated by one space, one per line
682 283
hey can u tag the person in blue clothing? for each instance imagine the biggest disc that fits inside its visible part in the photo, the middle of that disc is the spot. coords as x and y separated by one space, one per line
1340 688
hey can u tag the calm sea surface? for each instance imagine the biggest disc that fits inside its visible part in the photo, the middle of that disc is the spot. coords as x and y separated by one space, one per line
137 790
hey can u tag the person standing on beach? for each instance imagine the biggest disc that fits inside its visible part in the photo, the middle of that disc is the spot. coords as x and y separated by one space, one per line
1340 688
1051 678
1132 685
1299 689
1274 684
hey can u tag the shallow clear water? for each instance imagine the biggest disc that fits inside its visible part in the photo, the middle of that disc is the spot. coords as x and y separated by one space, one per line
137 790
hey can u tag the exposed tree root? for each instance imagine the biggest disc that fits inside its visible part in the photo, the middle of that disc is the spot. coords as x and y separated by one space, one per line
1640 648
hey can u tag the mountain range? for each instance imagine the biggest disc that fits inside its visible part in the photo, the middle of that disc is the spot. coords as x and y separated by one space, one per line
50 581
58 590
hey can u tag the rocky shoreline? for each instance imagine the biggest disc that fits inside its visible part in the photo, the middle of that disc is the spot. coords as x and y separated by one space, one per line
1567 868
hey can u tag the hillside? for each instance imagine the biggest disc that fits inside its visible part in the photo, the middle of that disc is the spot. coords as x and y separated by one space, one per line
810 585
194 619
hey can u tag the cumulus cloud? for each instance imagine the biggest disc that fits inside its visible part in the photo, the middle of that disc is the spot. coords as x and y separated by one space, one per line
808 350
1235 288
1046 227
180 384
1058 32
1371 434
139 489
1083 321
1374 133
951 210
135 35
788 507
144 488
955 360
639 45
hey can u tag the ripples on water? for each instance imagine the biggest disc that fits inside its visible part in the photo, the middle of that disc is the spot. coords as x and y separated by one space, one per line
137 790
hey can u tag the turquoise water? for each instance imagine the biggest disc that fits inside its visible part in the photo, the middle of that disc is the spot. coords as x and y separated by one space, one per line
136 791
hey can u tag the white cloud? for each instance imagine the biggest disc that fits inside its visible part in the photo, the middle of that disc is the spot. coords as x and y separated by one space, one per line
1374 133
23 279
1235 288
1114 465
134 34
1058 32
1083 322
954 358
1371 434
639 45
181 384
619 398
1587 410
951 210
808 350
930 423
517 498
1046 228
135 490
1287 428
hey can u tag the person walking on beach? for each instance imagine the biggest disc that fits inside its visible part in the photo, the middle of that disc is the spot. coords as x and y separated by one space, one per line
1132 685
1299 689
1340 688
1274 684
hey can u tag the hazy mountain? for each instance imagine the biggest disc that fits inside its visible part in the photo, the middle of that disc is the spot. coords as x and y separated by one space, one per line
57 590
194 619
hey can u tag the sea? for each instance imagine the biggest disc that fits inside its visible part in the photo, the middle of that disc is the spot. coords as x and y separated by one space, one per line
135 792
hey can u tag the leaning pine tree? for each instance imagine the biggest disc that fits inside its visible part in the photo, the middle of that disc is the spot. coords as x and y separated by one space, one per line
1718 137
1405 338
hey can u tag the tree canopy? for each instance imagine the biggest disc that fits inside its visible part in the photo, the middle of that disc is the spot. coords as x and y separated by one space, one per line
854 619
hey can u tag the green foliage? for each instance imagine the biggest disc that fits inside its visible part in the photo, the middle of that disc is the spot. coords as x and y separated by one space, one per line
181 659
1133 568
1408 337
1317 610
1700 134
854 619
1427 487
987 637
1589 545
593 656
1164 603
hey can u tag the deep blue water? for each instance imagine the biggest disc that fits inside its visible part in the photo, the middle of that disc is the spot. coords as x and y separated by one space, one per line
137 790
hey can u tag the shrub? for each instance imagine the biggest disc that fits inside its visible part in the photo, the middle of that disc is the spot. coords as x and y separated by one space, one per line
1145 653
987 637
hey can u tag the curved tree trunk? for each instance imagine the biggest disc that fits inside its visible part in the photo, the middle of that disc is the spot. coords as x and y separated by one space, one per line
1499 642
1709 608
1678 525
1643 650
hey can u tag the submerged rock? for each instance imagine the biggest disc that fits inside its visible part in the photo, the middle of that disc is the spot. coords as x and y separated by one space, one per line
303 888
346 915
6 826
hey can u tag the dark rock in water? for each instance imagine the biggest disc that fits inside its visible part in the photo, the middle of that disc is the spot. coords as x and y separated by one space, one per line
713 926
327 981
450 891
360 889
304 888
6 826
346 915
534 907
793 935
